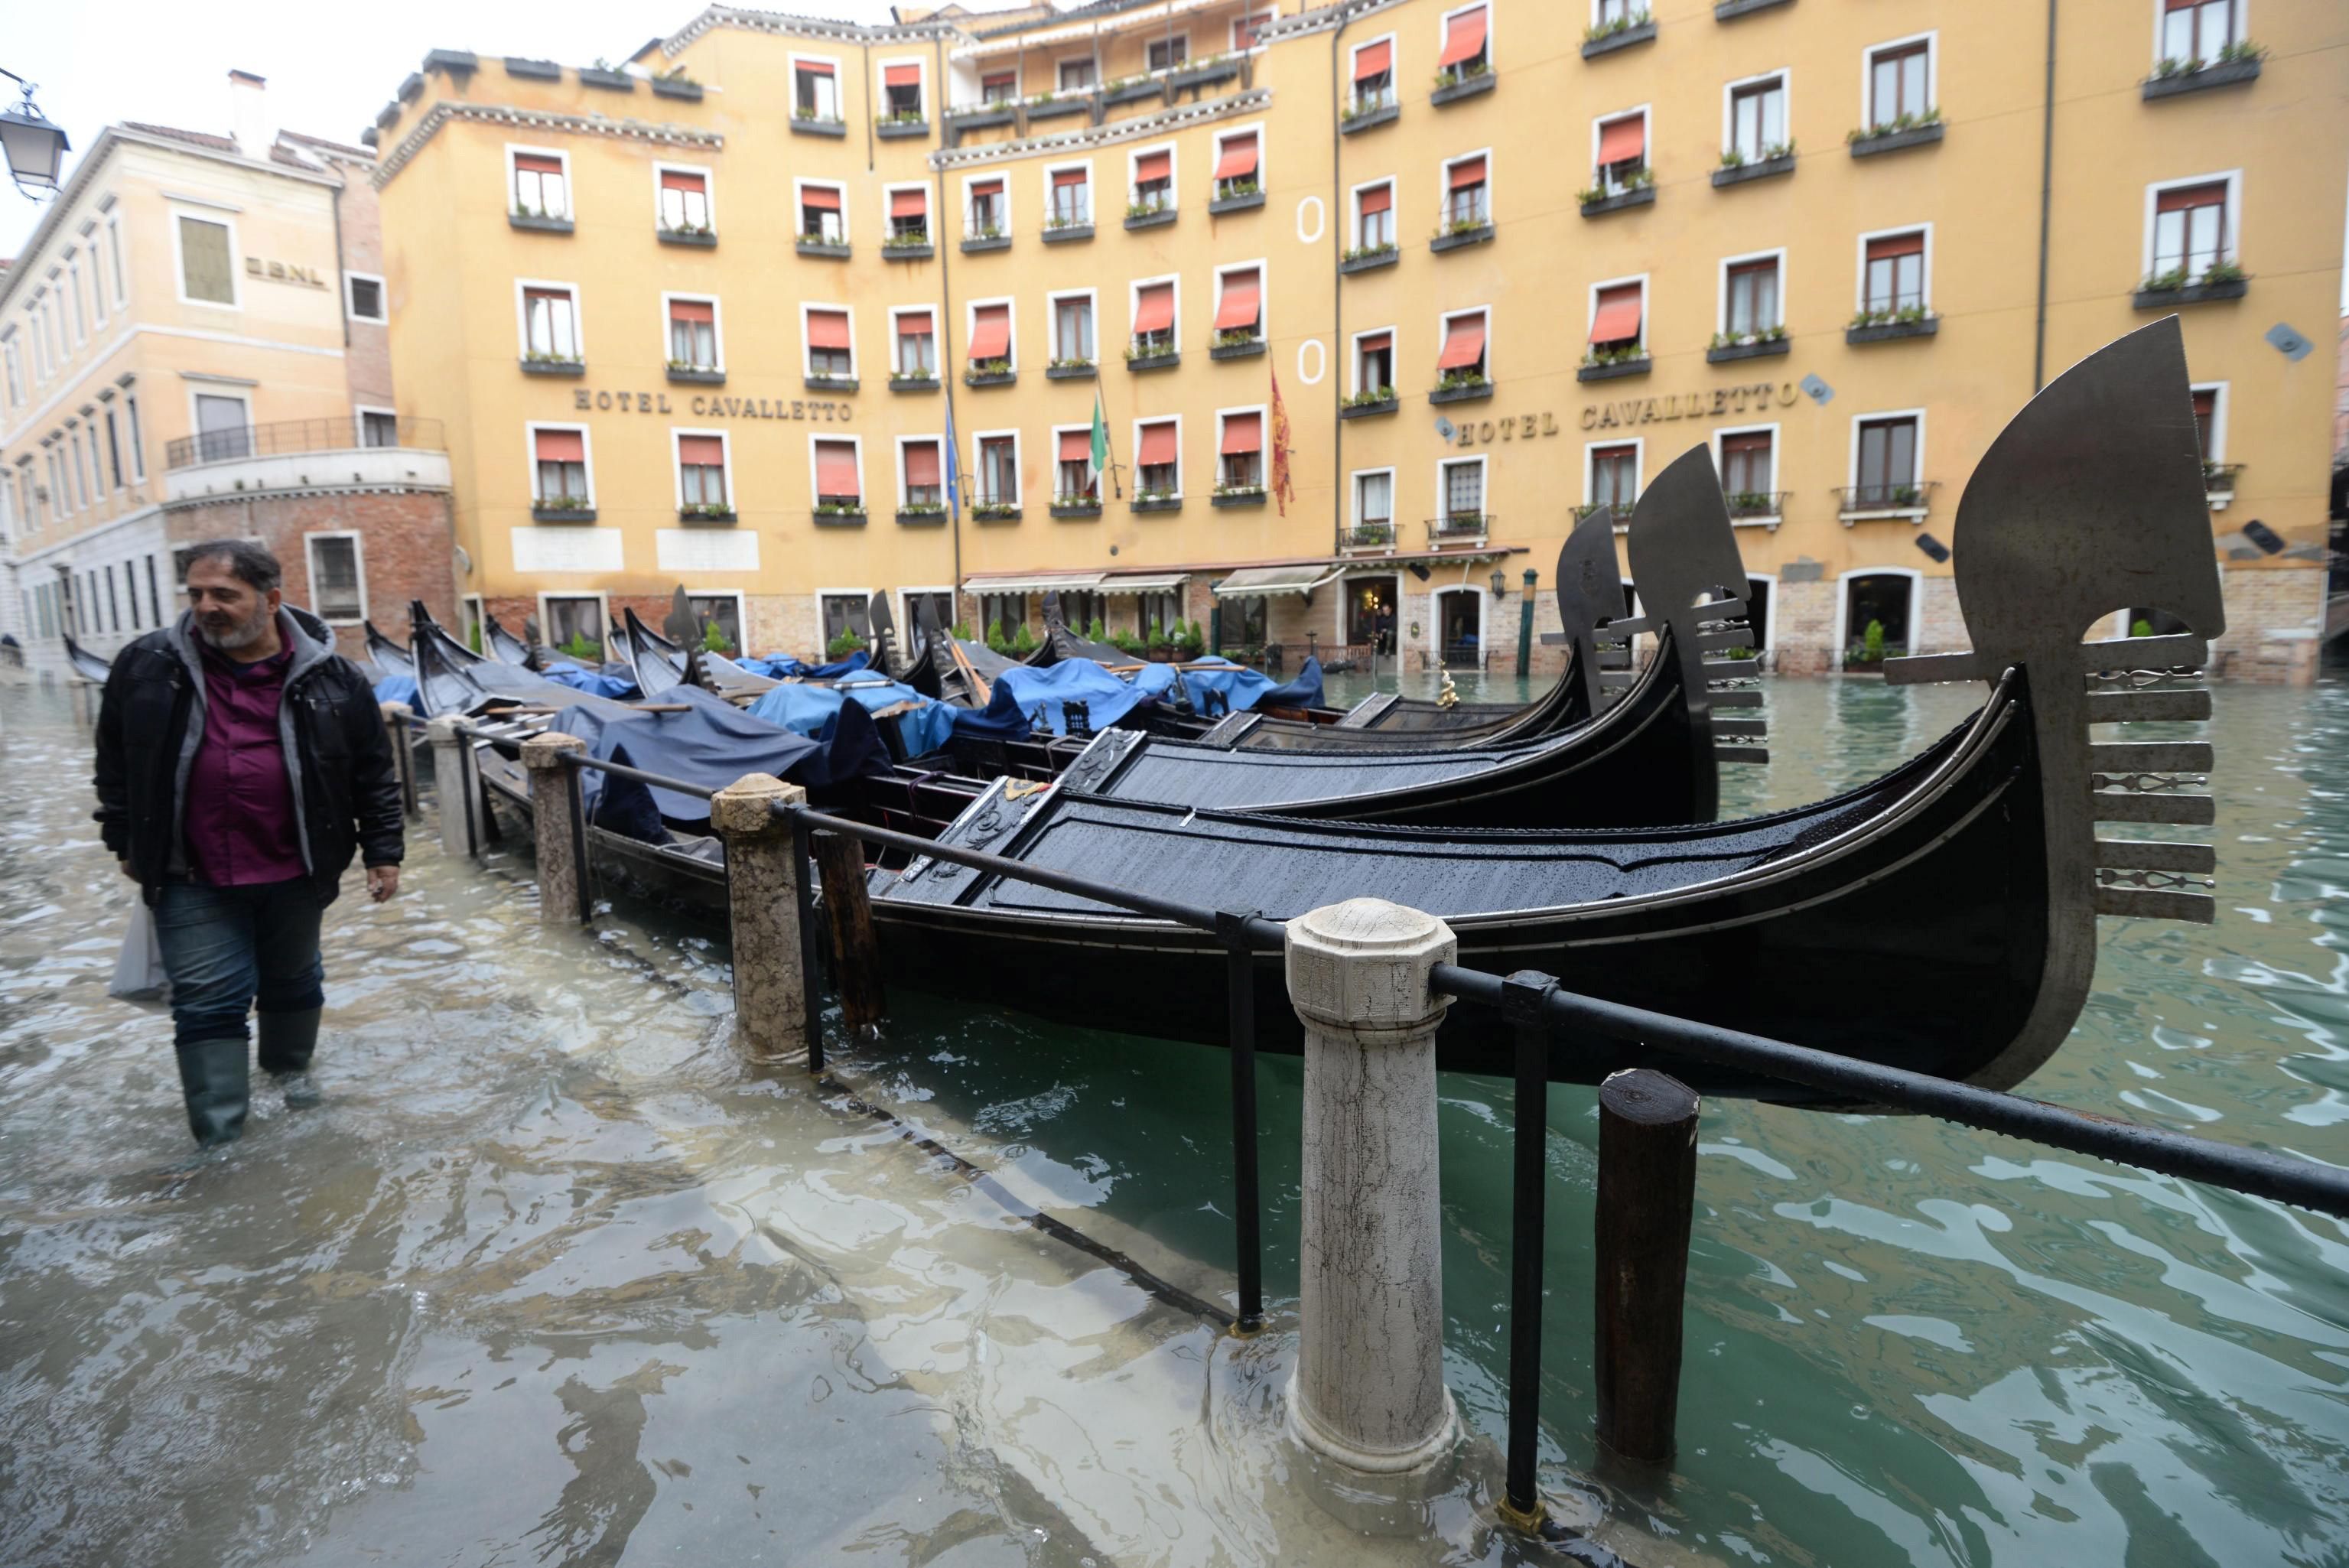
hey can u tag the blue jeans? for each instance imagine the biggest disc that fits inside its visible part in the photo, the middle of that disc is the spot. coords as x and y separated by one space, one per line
227 947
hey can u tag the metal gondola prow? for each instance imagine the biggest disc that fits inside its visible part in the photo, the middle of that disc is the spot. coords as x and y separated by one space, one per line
89 667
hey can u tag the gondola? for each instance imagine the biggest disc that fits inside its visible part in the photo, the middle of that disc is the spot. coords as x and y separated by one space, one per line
453 680
392 658
657 663
504 647
95 668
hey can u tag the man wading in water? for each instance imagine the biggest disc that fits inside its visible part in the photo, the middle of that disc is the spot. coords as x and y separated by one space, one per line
239 765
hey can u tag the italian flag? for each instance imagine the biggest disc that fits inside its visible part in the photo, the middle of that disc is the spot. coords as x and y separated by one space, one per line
1101 443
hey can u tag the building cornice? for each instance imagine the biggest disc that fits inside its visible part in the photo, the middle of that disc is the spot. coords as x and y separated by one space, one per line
1205 112
441 113
1322 19
817 28
299 492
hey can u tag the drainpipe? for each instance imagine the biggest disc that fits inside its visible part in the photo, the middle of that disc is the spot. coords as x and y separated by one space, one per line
2046 181
1338 498
945 305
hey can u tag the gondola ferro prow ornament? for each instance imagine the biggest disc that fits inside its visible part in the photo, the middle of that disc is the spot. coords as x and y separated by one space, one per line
2091 502
1589 591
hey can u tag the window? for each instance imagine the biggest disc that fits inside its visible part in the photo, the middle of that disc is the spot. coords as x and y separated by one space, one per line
1154 319
1615 478
1154 182
923 482
723 610
1006 610
138 443
559 475
1750 297
541 188
1617 313
998 470
846 612
1168 53
114 258
1894 278
154 600
1240 311
379 427
1374 78
1073 328
999 86
113 450
985 218
1615 13
1375 506
1462 484
901 87
1081 607
1466 205
205 271
1375 364
701 474
15 369
1235 166
1158 456
1888 463
1461 361
222 427
1374 219
1075 478
821 219
364 295
550 325
909 215
1757 120
685 201
2206 420
78 317
1077 76
917 345
2196 31
1155 612
1241 451
574 622
815 90
113 604
335 591
1247 32
990 336
2189 231
1622 160
74 493
1073 199
1749 471
829 348
1898 83
836 480
1464 43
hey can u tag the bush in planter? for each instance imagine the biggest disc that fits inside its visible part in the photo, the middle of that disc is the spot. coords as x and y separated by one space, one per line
474 636
841 646
1023 641
1123 640
959 630
714 640
995 637
1191 641
1872 643
2140 628
1094 634
583 648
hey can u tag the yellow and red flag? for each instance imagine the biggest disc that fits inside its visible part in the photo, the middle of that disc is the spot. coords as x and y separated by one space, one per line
1284 489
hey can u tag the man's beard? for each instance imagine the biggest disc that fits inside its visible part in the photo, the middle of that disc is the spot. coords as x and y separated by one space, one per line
236 634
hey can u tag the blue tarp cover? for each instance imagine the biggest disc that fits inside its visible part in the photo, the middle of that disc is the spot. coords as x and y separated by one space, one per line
854 662
1304 691
1044 694
712 744
806 710
396 688
595 683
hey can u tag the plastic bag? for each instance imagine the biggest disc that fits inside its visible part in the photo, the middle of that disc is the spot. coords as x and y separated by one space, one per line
139 974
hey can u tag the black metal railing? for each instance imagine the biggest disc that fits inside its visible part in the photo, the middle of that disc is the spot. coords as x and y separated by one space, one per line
1369 536
1909 495
1750 504
2218 479
1621 503
1554 1026
340 433
1459 525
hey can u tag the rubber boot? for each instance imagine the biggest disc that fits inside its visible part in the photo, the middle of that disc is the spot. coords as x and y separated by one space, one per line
215 1078
286 1041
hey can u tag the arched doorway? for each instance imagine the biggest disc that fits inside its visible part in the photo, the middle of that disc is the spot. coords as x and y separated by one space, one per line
1883 599
1372 606
1460 628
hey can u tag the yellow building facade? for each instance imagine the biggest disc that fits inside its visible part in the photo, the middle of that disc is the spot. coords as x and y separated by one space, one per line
738 316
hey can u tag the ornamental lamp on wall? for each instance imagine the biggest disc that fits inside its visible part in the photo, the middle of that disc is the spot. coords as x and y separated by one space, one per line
1500 583
35 148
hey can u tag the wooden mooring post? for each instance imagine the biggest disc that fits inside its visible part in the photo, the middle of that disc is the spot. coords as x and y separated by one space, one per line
856 951
1647 1198
454 795
764 899
403 752
559 826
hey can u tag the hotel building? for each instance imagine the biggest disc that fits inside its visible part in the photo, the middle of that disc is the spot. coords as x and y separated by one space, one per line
193 345
737 315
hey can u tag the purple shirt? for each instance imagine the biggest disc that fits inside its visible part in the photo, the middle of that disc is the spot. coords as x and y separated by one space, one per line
239 826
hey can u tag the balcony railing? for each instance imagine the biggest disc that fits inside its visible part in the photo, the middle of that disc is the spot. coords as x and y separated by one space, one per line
2218 479
1371 536
1911 498
339 434
1459 525
1622 505
1747 506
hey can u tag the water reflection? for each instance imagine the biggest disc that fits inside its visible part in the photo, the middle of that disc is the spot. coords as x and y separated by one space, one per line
553 1279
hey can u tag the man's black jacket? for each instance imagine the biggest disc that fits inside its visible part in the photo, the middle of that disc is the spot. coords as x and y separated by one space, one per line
346 785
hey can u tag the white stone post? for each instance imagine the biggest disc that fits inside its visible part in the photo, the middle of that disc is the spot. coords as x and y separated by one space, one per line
763 895
560 835
454 793
1368 1389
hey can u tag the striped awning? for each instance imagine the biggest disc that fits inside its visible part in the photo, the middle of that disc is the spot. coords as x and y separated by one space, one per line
1165 584
1254 581
1059 581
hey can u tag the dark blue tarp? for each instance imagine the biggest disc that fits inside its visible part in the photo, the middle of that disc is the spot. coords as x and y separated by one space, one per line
859 660
713 743
592 682
806 710
1001 720
774 667
1304 691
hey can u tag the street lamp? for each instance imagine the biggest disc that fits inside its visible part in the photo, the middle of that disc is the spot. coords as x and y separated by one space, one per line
35 148
1500 583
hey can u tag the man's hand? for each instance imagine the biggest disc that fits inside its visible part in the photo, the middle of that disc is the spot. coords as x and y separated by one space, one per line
382 881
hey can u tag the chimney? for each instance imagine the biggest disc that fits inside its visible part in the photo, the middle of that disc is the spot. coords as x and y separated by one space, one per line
249 119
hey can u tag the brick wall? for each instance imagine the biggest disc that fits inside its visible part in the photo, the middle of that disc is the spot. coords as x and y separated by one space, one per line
367 356
404 551
1805 633
2275 619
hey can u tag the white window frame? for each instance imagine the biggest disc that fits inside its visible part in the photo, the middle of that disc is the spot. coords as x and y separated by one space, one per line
1851 473
1167 35
1783 75
1591 317
1443 186
800 187
862 595
241 392
1060 70
310 564
1269 14
227 220
1354 503
1182 477
98 290
807 349
815 494
881 83
933 440
2221 397
530 432
1134 306
1011 322
979 439
717 324
676 463
2160 12
982 69
1394 207
13 358
2229 240
905 597
118 281
1395 348
1930 39
1777 434
1842 601
360 412
1721 287
929 207
839 95
569 213
1060 431
1261 267
1769 643
708 191
1435 595
1859 258
548 595
999 174
1134 157
1394 68
1263 412
1262 135
578 317
1052 324
1444 27
741 600
382 294
1638 445
1443 467
1093 190
936 321
136 437
77 302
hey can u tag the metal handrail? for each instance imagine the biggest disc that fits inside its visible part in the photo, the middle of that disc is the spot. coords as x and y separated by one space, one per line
341 433
1756 503
1462 525
1914 495
1364 535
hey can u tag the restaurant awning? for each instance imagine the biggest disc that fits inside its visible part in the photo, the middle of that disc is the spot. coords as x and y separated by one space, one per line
1059 581
1163 583
1254 581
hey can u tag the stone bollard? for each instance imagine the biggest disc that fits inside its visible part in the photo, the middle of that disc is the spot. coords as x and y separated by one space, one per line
1368 1391
559 827
454 792
763 898
403 752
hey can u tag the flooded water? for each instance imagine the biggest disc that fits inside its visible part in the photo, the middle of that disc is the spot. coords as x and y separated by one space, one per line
552 1278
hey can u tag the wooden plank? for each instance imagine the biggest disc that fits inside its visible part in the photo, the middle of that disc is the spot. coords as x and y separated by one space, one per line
2151 757
1740 754
2127 806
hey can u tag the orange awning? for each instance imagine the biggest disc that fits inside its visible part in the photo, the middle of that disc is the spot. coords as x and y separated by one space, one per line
901 76
1239 160
678 179
823 196
1243 433
987 188
922 463
536 163
1373 60
692 310
1464 343
827 329
562 447
1910 245
1377 342
701 452
1617 319
1466 172
1463 37
835 468
990 332
914 323
816 67
1154 310
1076 445
1623 141
1377 198
1153 166
1239 306
1158 446
908 203
1064 178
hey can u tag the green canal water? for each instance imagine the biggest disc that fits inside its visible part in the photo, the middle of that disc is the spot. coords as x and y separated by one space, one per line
553 1279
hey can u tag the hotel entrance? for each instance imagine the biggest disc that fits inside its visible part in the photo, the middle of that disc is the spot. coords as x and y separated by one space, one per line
1371 605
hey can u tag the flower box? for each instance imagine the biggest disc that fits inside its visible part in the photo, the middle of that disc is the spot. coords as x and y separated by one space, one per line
1167 361
1476 393
2193 293
1740 173
1483 81
913 384
1236 203
1886 331
1205 75
1150 220
818 126
1131 91
979 116
699 514
1076 510
533 71
1385 114
1871 143
1157 503
989 377
924 517
976 244
686 375
993 512
1056 107
705 239
614 81
540 222
900 129
1461 239
2223 74
830 383
1238 498
1249 350
1085 372
824 248
1376 258
839 518
670 88
554 368
1068 233
1620 38
1760 348
1369 410
1644 196
543 513
921 253
1621 367
1728 10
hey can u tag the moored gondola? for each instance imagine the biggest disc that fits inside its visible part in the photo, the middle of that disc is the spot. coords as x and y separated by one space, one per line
89 667
391 658
504 647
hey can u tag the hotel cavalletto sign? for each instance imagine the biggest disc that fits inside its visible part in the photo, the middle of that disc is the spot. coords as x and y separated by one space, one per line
714 405
1623 413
